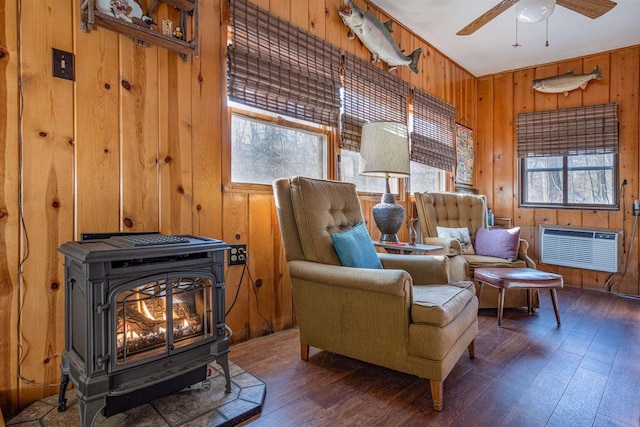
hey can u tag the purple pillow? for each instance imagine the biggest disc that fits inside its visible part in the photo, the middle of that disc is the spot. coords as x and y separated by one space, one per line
499 242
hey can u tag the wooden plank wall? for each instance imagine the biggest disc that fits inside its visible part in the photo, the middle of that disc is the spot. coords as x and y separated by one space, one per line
502 96
136 143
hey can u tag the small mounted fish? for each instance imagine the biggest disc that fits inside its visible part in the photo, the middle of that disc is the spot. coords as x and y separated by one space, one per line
566 82
376 37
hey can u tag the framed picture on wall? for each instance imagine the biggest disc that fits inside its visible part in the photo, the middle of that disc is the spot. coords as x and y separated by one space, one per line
464 155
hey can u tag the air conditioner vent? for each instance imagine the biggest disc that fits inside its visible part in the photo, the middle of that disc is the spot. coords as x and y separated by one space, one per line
590 249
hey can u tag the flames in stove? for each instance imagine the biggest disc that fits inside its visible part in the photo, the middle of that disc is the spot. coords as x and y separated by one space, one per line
142 316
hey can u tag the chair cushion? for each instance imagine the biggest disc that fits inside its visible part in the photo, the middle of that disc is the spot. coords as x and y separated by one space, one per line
460 234
498 242
355 248
438 305
480 261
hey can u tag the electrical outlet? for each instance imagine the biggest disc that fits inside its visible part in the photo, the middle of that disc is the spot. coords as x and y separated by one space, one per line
237 255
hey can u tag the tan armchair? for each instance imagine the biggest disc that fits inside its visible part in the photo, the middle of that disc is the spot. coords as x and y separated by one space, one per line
459 210
407 316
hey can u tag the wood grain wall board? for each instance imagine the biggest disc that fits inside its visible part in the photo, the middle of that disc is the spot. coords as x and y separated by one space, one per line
500 198
139 133
263 3
208 97
299 14
317 18
483 172
47 203
282 8
235 230
262 298
429 74
9 207
283 293
335 30
97 165
175 140
598 91
439 76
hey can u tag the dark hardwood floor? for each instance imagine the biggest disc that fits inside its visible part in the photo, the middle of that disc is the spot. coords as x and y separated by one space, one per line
527 373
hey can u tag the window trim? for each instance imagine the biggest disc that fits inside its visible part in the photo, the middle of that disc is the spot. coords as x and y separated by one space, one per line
252 188
522 203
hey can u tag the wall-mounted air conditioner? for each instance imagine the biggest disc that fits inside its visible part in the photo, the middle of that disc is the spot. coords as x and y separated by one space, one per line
577 247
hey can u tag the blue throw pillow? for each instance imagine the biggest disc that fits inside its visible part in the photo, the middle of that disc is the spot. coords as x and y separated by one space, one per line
355 248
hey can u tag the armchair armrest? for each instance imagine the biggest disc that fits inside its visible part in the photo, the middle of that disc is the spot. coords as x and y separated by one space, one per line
523 255
393 282
425 270
451 246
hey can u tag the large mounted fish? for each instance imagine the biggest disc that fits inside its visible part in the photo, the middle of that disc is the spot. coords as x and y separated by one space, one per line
376 37
566 82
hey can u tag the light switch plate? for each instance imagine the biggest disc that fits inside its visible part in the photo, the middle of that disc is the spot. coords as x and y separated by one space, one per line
62 64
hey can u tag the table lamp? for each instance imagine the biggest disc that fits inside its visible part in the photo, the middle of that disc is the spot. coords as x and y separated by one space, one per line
384 152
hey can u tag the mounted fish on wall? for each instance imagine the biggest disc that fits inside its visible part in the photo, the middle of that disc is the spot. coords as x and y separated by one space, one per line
376 37
566 82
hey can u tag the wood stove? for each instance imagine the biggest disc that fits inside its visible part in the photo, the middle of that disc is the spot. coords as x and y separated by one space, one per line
144 317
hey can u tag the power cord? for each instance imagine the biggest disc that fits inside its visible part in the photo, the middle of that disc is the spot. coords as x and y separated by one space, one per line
636 213
255 292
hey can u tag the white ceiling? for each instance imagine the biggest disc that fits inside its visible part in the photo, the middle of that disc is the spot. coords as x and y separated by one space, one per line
489 50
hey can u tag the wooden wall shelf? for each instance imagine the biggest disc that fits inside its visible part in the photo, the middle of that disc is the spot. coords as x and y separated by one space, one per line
189 18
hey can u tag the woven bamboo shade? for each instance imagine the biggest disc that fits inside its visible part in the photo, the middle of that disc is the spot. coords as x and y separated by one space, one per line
568 132
370 94
433 136
278 67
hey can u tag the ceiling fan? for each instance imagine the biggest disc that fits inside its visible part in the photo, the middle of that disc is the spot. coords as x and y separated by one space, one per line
589 8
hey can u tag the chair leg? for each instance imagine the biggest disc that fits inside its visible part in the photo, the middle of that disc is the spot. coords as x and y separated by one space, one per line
554 300
472 349
500 305
304 352
436 393
530 301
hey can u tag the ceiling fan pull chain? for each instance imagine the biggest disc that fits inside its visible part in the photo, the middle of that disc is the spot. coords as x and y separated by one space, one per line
547 42
516 44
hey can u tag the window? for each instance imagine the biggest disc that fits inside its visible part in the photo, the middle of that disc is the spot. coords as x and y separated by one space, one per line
262 151
569 158
572 180
350 165
426 178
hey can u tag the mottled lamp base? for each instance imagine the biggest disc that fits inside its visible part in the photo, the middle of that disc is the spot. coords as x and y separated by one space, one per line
388 217
195 407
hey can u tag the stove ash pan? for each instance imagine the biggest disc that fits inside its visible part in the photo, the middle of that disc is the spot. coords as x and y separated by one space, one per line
144 317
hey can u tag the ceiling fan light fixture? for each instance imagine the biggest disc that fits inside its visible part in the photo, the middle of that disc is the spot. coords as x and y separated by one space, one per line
531 11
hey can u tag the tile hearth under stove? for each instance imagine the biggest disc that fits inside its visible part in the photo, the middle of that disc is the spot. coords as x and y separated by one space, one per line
144 317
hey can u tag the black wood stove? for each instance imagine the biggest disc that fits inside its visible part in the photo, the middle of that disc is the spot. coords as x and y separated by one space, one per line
144 317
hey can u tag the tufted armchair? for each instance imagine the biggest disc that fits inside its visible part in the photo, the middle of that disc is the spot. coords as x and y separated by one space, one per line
407 316
459 210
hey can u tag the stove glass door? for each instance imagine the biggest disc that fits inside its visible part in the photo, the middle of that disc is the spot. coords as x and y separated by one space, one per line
161 315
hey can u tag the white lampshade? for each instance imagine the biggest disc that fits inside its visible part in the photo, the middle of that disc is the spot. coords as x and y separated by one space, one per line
384 150
531 11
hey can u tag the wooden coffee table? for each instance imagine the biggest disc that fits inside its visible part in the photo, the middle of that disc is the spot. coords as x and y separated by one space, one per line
519 278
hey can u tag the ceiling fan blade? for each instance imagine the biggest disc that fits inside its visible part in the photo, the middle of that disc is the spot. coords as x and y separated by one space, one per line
590 8
487 16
